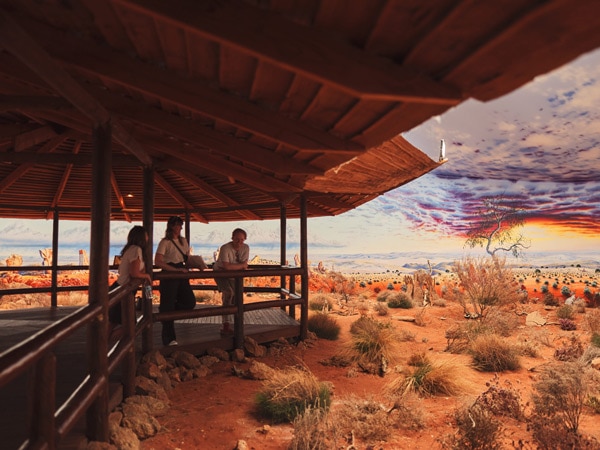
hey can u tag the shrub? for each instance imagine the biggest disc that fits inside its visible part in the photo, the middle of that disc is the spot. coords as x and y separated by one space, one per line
559 395
400 300
324 326
570 351
544 289
501 322
459 337
595 341
567 324
550 300
565 291
477 429
592 321
383 296
485 282
367 419
289 392
501 400
320 302
491 353
565 312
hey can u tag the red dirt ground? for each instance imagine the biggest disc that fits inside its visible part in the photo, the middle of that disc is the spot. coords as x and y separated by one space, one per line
217 411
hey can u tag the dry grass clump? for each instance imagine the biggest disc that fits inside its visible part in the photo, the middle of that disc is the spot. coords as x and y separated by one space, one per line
430 378
373 345
320 302
381 309
459 337
592 321
324 326
367 419
491 353
289 392
501 322
310 430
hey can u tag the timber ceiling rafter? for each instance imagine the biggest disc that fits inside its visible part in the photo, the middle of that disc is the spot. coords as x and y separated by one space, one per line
238 104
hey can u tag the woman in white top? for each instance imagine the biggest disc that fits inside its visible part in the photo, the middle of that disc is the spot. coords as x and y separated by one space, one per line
171 255
131 265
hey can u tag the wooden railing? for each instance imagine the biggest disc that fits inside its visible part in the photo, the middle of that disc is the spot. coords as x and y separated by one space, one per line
49 423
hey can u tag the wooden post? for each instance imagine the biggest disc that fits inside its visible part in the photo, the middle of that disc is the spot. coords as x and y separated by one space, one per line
304 263
238 325
148 213
97 351
54 291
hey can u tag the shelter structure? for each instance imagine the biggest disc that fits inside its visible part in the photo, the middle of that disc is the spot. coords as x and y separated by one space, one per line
232 110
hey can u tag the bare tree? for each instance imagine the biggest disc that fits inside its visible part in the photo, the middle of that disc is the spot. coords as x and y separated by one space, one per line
497 227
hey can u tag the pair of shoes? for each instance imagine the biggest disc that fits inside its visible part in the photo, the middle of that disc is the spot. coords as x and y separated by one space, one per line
172 343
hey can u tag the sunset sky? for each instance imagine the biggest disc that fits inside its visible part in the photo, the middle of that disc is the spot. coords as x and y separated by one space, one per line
539 145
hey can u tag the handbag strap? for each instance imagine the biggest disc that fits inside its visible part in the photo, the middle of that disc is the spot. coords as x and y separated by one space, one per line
180 251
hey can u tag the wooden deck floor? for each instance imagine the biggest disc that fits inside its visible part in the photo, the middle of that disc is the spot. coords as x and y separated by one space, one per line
194 335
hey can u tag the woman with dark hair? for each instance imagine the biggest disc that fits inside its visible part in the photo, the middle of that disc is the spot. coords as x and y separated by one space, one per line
171 255
131 265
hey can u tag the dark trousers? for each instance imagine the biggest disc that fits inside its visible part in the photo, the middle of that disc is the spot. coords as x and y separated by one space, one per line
174 295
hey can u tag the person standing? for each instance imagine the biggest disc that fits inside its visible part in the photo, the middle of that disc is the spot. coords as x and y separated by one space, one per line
131 265
171 256
233 255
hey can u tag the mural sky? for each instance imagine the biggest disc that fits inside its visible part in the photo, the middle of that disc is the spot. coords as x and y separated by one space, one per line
539 145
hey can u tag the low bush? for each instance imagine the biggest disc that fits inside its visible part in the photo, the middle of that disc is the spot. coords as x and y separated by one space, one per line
477 429
491 353
565 312
400 300
289 392
373 345
567 324
381 309
320 302
324 326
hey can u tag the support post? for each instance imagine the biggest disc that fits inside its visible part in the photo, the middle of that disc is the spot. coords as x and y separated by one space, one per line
54 291
304 262
148 214
97 351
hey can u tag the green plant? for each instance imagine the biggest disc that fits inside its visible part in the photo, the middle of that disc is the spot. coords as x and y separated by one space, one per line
324 326
289 392
491 353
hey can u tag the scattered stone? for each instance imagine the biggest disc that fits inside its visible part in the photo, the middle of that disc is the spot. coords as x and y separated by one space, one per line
137 418
155 357
146 386
124 438
208 360
258 371
254 349
242 445
405 318
265 429
535 319
238 355
218 353
157 407
186 360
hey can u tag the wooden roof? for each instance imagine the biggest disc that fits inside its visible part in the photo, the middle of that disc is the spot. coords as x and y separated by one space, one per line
252 102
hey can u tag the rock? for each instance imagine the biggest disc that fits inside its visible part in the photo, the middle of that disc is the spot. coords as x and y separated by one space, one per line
535 319
124 438
146 386
405 318
253 349
238 355
208 360
137 417
259 371
155 357
186 360
155 406
218 353
241 445
149 370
